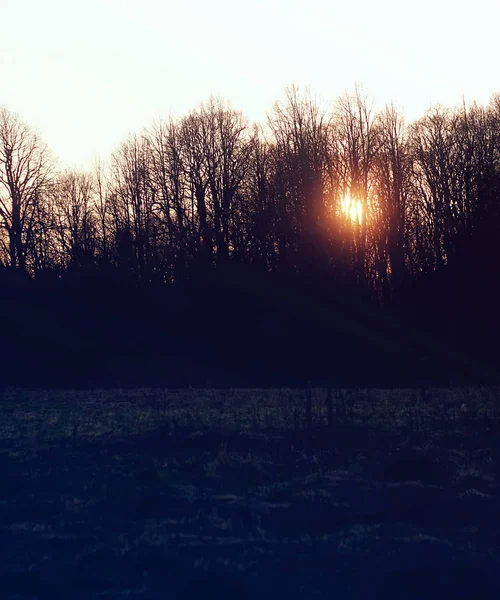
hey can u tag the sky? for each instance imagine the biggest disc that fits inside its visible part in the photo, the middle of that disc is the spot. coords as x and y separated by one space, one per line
86 74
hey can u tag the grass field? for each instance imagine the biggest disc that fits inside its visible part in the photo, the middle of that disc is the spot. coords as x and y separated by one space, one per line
390 494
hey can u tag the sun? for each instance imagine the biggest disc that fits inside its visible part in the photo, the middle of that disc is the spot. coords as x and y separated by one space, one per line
352 208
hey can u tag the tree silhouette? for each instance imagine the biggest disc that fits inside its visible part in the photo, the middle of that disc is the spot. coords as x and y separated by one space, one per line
233 246
24 177
392 171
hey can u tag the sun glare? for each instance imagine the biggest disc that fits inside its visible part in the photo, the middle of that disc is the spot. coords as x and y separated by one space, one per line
352 208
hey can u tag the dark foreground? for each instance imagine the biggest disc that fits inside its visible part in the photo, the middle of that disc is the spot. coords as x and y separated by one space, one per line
196 494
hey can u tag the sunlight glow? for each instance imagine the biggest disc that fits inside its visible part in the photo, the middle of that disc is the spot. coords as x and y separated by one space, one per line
352 208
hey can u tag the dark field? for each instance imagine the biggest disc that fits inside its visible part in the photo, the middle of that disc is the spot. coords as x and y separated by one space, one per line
238 494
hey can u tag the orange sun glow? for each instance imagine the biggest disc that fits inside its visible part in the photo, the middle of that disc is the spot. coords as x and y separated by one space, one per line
352 208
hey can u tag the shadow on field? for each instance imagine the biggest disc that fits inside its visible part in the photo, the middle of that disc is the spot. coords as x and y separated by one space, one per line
181 511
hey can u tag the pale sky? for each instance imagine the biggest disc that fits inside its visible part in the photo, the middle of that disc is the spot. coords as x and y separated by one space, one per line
85 74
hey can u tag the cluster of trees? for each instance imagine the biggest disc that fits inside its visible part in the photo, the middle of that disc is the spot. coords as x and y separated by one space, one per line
348 202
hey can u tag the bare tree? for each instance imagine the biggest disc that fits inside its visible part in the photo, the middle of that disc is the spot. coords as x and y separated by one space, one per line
392 172
24 177
174 206
357 144
197 181
258 214
436 160
134 199
103 217
75 218
300 144
226 144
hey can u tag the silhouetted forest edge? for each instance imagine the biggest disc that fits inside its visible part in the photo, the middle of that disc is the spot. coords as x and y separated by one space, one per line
214 332
340 248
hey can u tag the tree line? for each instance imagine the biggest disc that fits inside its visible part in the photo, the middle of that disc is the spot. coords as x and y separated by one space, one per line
349 203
